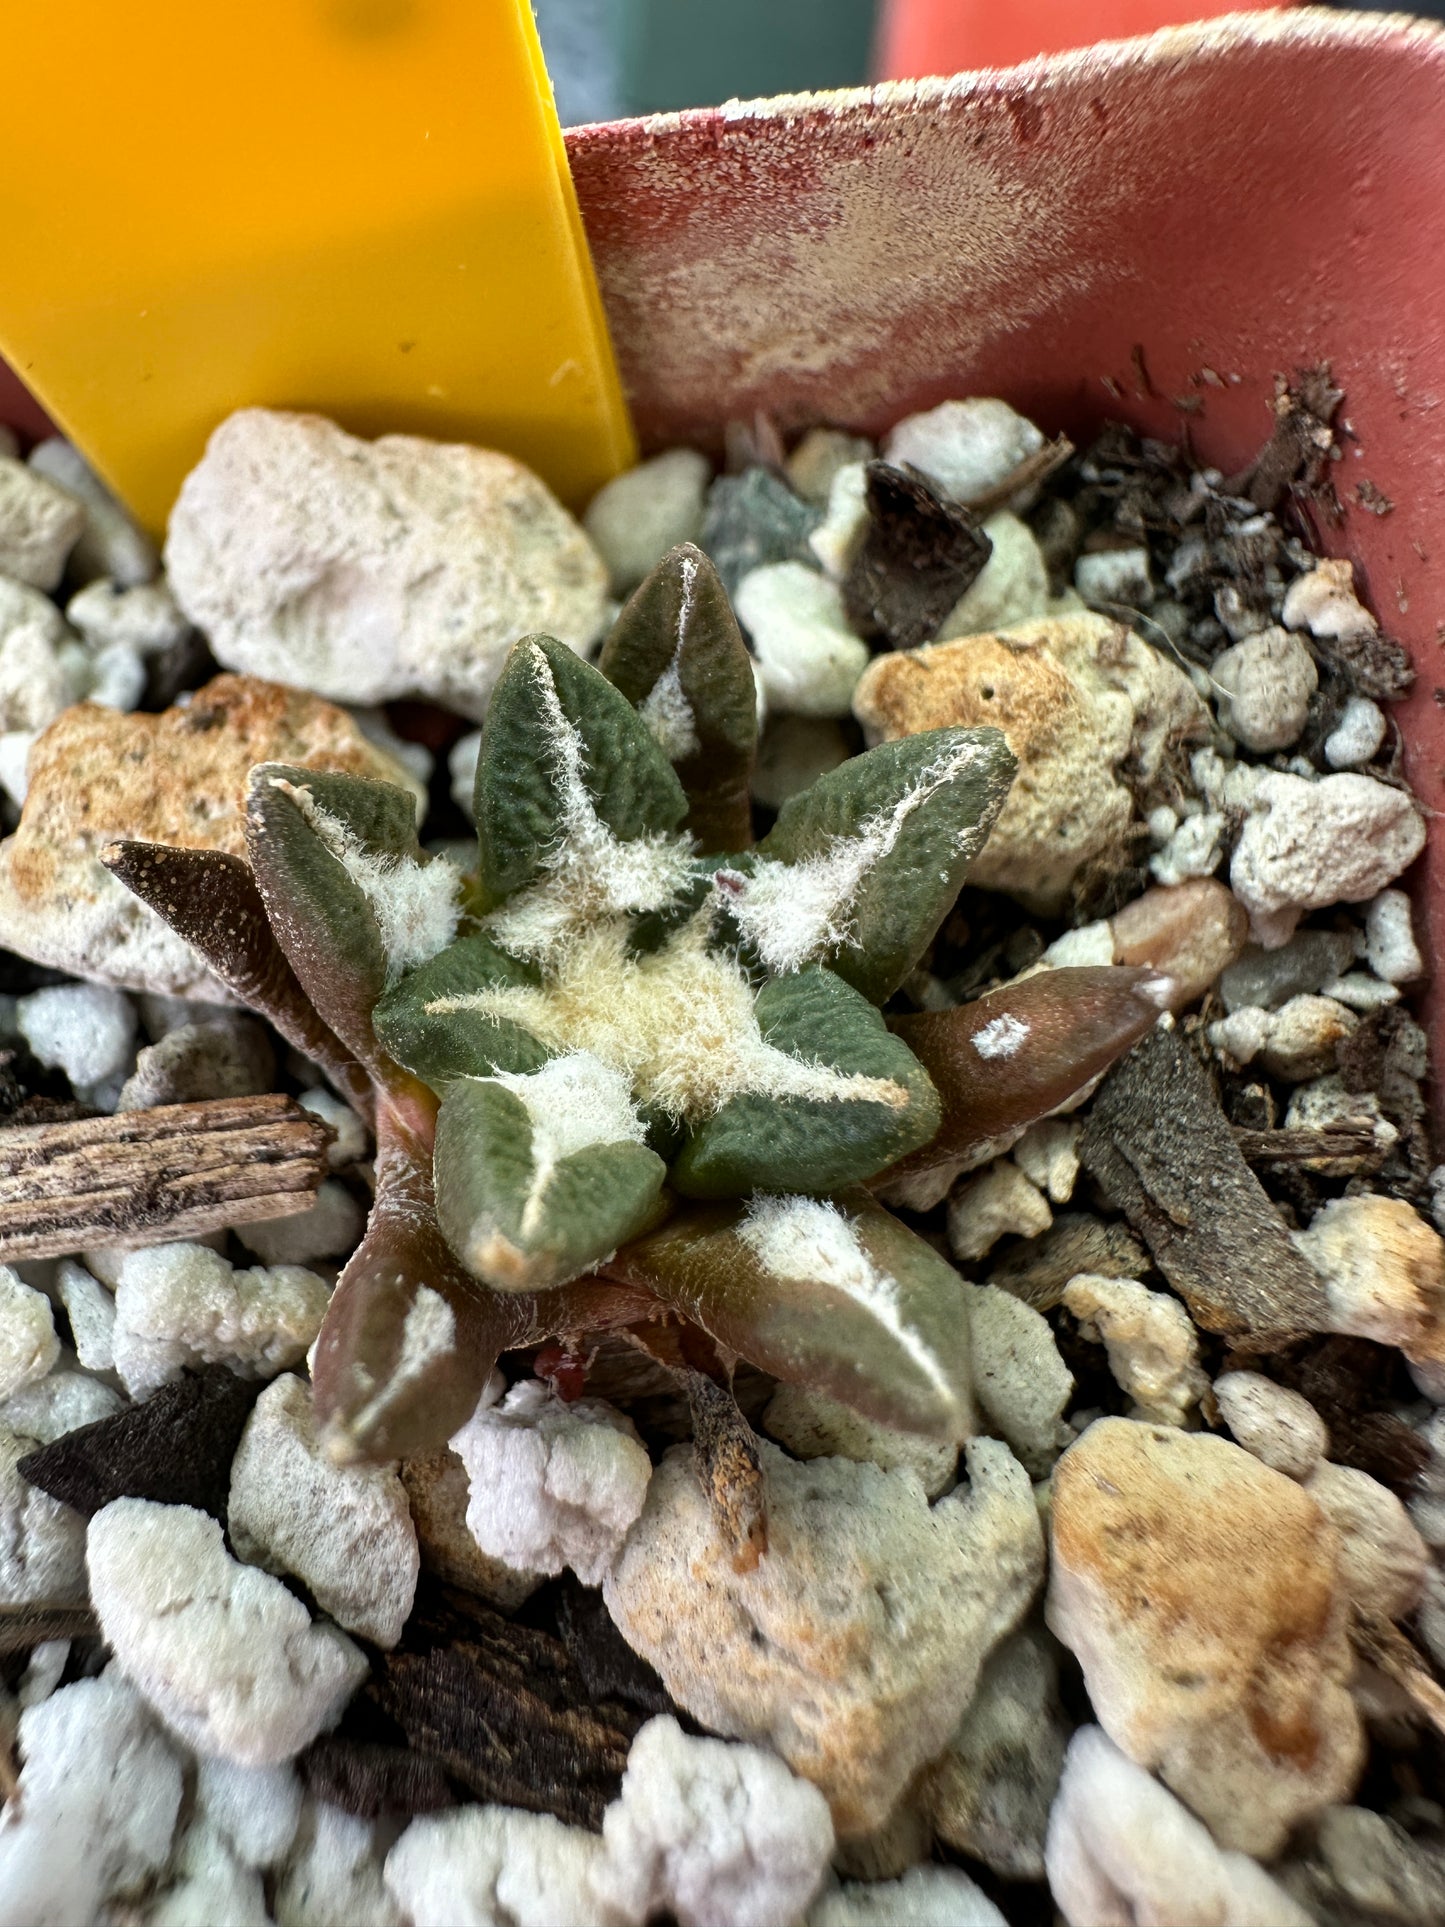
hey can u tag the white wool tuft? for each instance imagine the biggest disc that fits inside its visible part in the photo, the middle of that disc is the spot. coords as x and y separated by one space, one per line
589 873
679 1024
1002 1038
668 714
416 905
575 1102
794 913
809 1240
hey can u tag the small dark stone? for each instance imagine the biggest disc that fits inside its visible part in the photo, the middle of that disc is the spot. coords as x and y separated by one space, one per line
753 519
185 665
176 1448
920 554
368 1778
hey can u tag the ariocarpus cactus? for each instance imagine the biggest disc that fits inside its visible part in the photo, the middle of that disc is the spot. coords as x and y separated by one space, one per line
632 1072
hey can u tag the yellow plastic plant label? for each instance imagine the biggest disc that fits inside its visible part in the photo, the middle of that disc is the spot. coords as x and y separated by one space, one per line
359 207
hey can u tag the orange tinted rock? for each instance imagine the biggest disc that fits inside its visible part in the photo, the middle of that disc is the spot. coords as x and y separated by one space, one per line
1192 931
97 775
1202 1594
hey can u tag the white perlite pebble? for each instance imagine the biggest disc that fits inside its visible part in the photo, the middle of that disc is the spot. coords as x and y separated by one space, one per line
111 543
1384 1273
1358 991
39 674
209 1884
365 571
15 745
965 448
1048 1152
1151 1342
1012 586
334 1878
1281 1429
330 1228
809 660
999 1202
1357 736
635 519
39 524
811 1425
1308 845
42 1542
184 1304
43 1670
839 536
85 1030
924 1897
145 618
1298 1041
855 1644
1091 943
1021 1381
1119 578
351 1140
552 1484
497 1867
28 1344
225 1654
97 1807
254 1808
1323 601
1390 947
346 1531
1196 849
1264 686
717 1835
1383 1559
1122 1850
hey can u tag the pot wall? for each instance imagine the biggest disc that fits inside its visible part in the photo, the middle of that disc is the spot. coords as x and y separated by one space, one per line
1113 232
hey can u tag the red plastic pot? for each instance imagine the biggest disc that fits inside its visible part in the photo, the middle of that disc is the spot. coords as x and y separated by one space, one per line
1152 230
918 37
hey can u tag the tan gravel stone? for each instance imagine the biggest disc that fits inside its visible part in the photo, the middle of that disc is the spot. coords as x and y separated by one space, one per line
1384 1273
1191 931
178 778
1202 1594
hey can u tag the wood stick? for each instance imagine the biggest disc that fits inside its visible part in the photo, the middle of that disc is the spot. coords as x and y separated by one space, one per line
174 1172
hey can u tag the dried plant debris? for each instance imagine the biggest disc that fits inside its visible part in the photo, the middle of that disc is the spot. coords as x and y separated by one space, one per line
503 1710
176 1447
920 553
1159 1147
1005 1084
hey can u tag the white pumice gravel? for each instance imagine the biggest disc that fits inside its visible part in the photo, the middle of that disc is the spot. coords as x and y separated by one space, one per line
39 525
1021 1381
926 1896
635 519
1117 578
1323 601
91 1311
998 1203
1012 586
965 448
809 660
184 1304
42 1542
1383 1559
144 617
552 1485
28 1344
818 457
208 1884
1266 683
813 1426
1122 1850
1152 1346
1390 945
1048 1152
110 543
1357 736
100 1792
229 1659
1194 849
1282 1429
86 1030
718 1835
839 536
346 1531
330 1228
254 1808
334 1875
498 1867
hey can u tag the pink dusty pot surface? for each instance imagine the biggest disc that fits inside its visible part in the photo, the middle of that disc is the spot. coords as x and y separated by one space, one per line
1152 230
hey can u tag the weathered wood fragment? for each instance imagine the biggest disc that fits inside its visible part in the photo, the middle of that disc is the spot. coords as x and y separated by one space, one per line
173 1172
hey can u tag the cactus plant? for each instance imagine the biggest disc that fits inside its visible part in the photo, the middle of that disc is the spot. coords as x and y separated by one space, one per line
632 1072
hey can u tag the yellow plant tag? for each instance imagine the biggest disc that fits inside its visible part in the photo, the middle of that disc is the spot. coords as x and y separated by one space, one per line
359 207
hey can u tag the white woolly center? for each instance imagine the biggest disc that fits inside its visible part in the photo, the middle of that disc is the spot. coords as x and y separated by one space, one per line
668 714
794 913
416 905
679 1025
1001 1038
588 873
809 1241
